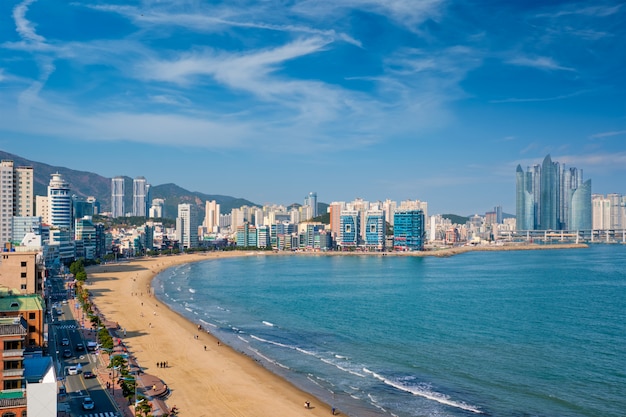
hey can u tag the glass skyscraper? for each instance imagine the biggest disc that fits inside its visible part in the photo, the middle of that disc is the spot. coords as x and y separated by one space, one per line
552 197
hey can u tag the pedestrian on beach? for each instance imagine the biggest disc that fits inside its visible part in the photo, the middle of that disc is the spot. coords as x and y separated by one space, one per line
333 410
158 364
205 347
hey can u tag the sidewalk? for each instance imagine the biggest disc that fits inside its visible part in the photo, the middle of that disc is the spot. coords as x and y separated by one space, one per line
152 387
105 375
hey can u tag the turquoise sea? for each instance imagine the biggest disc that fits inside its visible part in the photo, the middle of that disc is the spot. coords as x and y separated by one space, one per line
521 333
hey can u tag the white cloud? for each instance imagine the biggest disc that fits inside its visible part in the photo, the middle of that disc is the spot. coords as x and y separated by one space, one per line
540 62
603 135
23 26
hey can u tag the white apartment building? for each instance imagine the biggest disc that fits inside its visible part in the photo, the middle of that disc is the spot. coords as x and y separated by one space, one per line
187 226
16 196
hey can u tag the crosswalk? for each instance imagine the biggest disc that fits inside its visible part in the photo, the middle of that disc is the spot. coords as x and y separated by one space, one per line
106 414
66 326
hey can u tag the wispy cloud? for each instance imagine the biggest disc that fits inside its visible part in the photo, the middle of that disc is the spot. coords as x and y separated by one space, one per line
23 26
539 62
590 11
538 99
608 134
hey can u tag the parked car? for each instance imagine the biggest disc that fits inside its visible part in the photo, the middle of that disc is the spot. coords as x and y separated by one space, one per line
88 403
88 375
67 353
72 370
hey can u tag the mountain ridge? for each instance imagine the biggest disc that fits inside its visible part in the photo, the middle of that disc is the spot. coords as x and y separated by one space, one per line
84 184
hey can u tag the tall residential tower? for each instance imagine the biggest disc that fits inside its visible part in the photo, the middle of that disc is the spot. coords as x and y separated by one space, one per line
552 197
117 197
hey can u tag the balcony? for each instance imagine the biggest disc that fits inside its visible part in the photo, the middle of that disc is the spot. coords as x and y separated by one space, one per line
13 373
13 353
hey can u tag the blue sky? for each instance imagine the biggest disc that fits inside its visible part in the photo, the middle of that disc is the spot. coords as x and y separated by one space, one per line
268 100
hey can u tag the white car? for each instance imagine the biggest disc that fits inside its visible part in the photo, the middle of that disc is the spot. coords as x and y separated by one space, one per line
72 370
88 403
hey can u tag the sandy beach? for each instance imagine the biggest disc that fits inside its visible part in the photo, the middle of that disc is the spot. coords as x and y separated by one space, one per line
215 382
211 381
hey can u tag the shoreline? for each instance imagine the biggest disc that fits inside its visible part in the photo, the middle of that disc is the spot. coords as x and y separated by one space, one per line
207 378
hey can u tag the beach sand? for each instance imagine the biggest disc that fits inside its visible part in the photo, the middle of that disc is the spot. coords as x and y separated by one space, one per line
215 382
219 381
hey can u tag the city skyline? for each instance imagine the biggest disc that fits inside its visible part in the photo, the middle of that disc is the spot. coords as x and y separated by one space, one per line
437 100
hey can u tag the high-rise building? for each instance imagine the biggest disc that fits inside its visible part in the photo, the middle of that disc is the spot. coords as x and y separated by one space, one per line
408 230
609 213
212 216
350 223
60 212
117 197
374 234
552 197
335 217
311 201
187 226
16 196
140 196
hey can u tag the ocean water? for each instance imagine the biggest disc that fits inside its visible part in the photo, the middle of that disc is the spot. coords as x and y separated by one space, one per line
521 333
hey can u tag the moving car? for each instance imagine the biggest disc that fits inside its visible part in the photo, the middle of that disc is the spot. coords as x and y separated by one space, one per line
65 341
88 403
80 346
88 375
67 353
72 370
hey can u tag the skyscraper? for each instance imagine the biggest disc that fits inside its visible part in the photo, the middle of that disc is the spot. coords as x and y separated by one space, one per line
187 226
140 196
552 197
117 197
16 196
60 216
212 216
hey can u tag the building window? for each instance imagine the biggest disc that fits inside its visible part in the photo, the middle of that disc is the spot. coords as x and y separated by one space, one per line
23 263
23 287
31 316
23 274
31 329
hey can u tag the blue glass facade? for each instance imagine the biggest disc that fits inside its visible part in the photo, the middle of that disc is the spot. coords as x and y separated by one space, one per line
408 230
375 229
350 223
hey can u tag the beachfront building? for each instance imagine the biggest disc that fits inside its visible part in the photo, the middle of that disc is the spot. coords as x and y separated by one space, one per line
374 234
141 193
247 236
609 213
187 224
16 197
350 229
408 230
117 197
552 197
